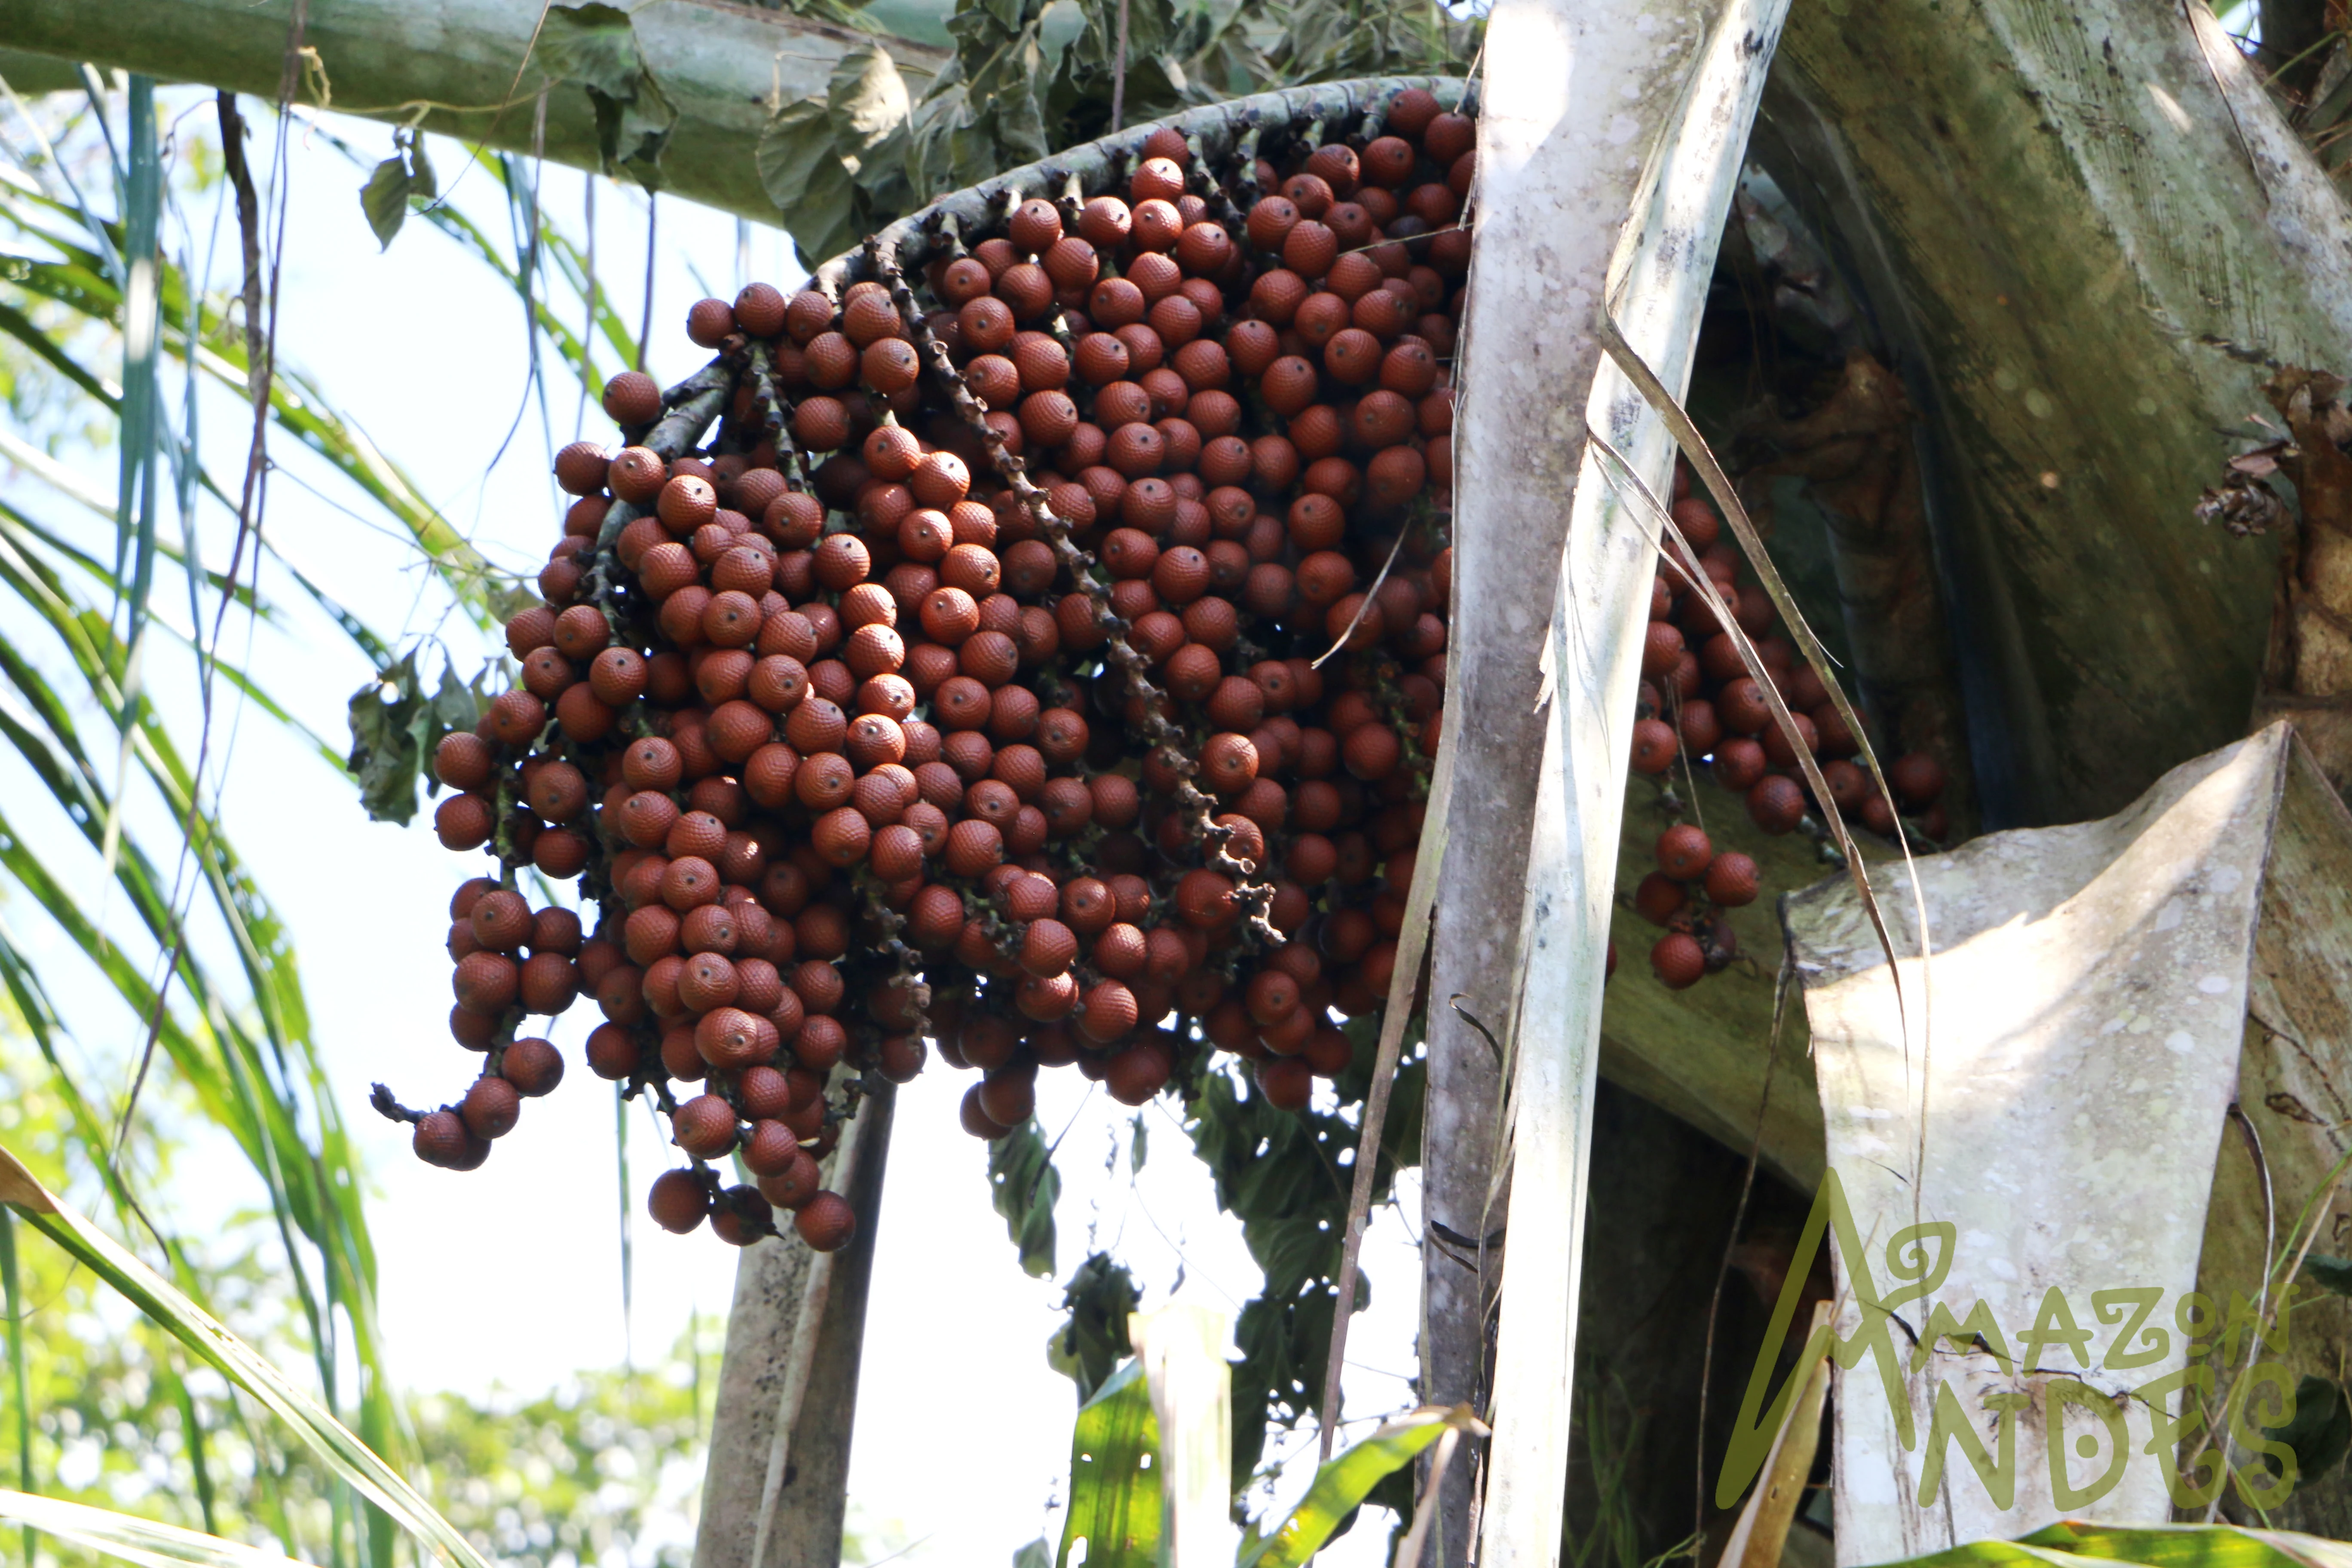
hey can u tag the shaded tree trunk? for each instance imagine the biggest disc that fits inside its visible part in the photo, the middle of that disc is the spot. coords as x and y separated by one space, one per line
2293 31
2082 249
795 1339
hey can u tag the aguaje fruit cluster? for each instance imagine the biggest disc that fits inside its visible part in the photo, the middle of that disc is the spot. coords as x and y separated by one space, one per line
1701 708
1043 659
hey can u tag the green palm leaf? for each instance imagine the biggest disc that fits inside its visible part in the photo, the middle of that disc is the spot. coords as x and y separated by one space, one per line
165 1305
2075 1543
133 1539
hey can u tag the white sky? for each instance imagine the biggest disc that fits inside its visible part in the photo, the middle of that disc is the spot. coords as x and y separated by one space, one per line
423 349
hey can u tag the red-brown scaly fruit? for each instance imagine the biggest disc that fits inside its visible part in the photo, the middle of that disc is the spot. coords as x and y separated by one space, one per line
678 1201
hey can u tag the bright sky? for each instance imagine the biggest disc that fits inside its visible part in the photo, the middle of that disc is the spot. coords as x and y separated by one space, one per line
962 1432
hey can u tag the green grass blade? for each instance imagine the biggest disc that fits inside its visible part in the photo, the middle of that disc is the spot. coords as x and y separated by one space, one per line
2075 1543
2192 1545
247 1060
334 1444
246 1099
20 326
1343 1482
199 1462
77 277
187 474
76 209
141 443
1993 1554
13 1295
133 1539
1115 1493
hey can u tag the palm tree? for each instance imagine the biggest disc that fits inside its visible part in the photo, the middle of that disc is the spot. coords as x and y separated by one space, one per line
2014 230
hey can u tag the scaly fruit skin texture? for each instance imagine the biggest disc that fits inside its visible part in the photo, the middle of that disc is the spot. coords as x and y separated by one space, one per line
1043 664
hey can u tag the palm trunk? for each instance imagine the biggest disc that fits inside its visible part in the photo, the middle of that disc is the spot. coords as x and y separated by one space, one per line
775 1487
2081 244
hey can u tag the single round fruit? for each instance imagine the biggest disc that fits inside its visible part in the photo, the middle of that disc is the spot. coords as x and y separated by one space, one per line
533 1066
1654 746
1134 1075
1287 1082
1739 764
708 322
1678 961
1917 778
1776 803
704 1126
677 1202
491 1108
1659 898
1731 880
580 469
1683 851
440 1139
826 1222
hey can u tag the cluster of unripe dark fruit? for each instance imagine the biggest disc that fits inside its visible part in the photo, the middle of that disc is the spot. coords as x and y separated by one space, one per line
973 686
1700 704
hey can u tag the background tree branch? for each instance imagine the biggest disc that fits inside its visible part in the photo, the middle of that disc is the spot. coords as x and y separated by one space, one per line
463 67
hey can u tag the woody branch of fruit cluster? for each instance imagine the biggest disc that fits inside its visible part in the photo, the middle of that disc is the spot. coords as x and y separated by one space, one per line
1042 658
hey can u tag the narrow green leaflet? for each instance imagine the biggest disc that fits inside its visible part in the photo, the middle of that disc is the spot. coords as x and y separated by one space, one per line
12 1298
1976 1553
1292 1251
1114 1479
384 757
1341 1484
2319 1432
2192 1545
2072 1543
164 1303
595 46
133 1539
405 176
592 45
395 728
1093 1341
1026 1187
136 500
806 178
2335 1273
81 283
